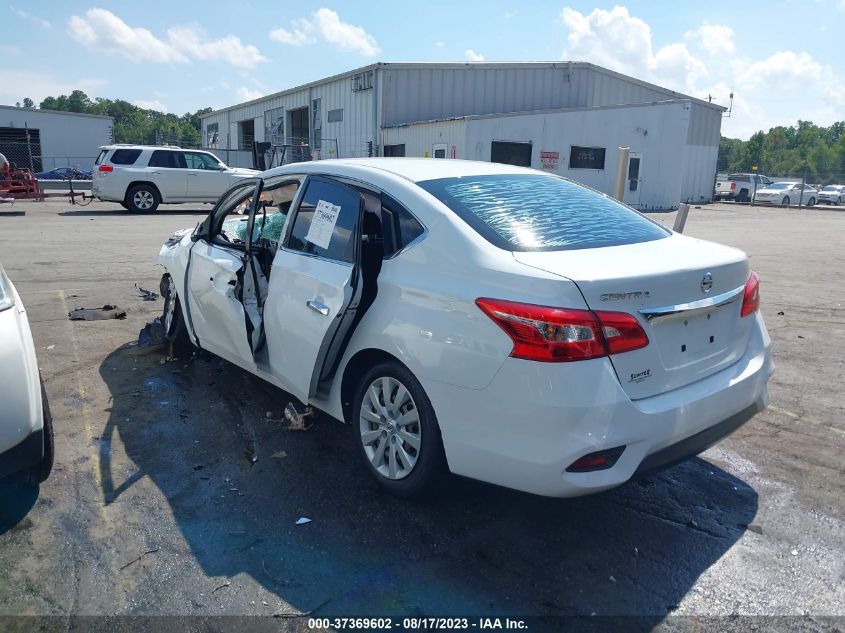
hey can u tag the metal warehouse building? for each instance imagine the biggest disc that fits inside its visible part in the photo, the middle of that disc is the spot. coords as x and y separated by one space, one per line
43 139
567 118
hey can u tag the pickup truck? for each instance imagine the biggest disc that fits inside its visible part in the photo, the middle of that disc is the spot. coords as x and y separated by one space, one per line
740 187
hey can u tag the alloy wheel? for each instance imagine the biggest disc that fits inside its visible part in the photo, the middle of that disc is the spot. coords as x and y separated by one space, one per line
390 428
143 199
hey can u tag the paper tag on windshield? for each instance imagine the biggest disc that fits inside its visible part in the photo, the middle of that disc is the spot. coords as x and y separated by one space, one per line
322 224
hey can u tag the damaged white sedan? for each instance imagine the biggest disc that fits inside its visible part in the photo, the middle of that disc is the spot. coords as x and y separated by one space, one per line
498 322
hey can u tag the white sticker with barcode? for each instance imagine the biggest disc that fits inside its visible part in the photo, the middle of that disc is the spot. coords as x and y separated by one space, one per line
322 224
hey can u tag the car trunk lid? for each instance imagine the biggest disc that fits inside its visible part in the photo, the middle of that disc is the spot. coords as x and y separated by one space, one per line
685 293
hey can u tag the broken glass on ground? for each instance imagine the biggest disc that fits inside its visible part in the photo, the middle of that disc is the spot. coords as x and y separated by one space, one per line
107 311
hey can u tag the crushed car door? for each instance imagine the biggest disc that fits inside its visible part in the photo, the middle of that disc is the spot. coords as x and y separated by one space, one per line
216 276
315 287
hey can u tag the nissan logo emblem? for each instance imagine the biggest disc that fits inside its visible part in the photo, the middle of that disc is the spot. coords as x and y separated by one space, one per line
706 282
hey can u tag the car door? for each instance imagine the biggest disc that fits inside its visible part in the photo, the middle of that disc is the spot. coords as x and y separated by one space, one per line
315 287
206 178
166 170
215 277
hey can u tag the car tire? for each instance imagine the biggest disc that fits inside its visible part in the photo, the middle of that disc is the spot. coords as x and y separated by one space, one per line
785 201
172 321
124 205
811 202
406 458
142 199
39 472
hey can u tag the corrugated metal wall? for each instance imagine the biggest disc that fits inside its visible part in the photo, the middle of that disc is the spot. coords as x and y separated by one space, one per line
352 133
419 139
411 94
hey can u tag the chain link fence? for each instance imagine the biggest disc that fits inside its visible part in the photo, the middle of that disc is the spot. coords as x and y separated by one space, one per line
28 156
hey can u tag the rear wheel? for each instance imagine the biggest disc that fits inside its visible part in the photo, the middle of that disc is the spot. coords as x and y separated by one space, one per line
785 201
397 431
142 198
811 202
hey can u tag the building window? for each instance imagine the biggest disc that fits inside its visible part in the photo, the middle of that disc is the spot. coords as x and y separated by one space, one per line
246 134
394 150
336 116
586 157
212 135
511 153
362 81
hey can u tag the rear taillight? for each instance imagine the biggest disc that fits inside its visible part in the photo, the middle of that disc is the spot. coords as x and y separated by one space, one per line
106 168
751 296
733 185
549 334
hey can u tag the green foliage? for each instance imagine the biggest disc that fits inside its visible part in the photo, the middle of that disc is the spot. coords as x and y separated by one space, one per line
801 150
131 123
28 103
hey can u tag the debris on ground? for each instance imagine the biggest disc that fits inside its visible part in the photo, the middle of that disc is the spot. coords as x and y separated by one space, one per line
296 417
50 347
303 520
754 528
135 560
225 584
152 334
148 295
108 311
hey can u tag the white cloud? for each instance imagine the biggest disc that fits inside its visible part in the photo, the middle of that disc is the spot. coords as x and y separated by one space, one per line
708 61
442 44
44 24
151 104
472 56
102 30
713 39
247 94
301 33
326 25
17 84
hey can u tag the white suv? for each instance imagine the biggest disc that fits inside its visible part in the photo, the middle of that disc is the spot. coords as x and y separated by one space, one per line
140 177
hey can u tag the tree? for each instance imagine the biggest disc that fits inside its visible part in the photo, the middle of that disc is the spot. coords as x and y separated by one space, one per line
28 103
131 123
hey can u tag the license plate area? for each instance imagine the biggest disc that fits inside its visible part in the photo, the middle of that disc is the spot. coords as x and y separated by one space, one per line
687 340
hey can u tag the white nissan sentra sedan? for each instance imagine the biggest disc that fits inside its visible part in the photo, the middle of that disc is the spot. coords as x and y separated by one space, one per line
26 430
507 324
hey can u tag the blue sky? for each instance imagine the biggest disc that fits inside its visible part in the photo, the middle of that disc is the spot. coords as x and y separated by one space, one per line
784 61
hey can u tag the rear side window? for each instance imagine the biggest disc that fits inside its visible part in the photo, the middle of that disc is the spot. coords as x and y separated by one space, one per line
166 158
101 156
404 228
524 212
125 156
333 233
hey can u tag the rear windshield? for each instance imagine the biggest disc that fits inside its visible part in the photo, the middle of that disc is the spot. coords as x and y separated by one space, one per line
125 156
780 185
526 212
739 177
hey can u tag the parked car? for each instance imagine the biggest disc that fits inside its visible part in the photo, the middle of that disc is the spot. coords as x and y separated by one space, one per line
140 177
26 427
832 194
507 324
787 193
64 173
740 187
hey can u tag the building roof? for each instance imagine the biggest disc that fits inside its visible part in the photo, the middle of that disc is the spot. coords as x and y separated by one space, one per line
48 112
486 65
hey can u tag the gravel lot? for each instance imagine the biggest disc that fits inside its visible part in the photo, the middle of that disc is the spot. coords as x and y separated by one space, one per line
155 507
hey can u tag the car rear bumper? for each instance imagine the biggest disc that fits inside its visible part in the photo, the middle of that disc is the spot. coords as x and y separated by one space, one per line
535 419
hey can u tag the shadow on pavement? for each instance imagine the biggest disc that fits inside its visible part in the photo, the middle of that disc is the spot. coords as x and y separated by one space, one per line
193 428
16 500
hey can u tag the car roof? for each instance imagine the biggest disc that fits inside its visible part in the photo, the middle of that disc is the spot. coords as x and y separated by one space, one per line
413 169
132 146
